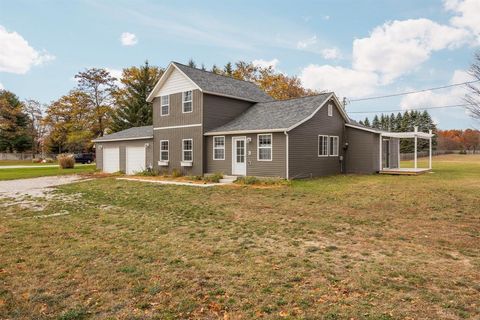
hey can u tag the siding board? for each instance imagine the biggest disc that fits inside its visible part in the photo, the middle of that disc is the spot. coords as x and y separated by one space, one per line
218 111
362 155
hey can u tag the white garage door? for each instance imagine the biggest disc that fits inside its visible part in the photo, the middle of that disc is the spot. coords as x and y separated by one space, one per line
135 159
111 160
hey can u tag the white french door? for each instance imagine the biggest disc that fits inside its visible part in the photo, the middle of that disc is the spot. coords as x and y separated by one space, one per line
239 159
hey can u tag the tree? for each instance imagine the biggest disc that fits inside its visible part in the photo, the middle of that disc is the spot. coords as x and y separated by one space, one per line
132 108
473 98
14 124
192 63
471 139
99 86
216 70
228 69
69 120
376 122
37 129
366 122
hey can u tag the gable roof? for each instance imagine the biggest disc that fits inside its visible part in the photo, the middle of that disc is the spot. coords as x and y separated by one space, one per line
135 133
277 116
212 83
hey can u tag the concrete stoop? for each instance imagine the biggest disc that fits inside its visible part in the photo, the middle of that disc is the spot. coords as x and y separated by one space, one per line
228 179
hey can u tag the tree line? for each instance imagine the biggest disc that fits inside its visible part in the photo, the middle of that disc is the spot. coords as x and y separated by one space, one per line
101 104
462 140
402 122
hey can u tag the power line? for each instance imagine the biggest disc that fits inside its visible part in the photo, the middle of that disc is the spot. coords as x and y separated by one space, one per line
416 91
426 108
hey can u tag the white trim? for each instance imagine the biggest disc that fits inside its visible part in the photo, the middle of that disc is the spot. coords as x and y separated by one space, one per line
163 105
244 132
222 148
380 165
361 128
191 101
337 148
286 156
177 127
271 146
234 153
164 77
398 152
122 139
330 110
168 150
430 151
318 146
183 150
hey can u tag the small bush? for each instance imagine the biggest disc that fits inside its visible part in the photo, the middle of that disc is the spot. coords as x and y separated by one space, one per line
248 180
148 173
213 177
66 161
176 173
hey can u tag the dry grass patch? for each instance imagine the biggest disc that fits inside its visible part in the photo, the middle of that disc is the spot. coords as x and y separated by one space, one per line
361 247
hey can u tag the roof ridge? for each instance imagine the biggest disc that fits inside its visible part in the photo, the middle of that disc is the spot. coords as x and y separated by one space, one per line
311 96
211 72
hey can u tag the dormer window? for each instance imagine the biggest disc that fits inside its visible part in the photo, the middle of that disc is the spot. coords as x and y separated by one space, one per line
187 102
164 105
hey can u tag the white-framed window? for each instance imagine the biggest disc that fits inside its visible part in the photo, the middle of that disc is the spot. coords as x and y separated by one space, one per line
264 147
330 110
322 146
164 105
187 150
333 146
219 148
187 101
164 147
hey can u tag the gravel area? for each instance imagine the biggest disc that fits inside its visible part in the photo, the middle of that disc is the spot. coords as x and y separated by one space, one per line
34 187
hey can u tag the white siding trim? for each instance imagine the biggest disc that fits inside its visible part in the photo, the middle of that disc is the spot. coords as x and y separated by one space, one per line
122 139
181 126
243 132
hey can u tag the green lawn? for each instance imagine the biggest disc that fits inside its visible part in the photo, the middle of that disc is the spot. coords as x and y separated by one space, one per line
342 247
23 163
22 173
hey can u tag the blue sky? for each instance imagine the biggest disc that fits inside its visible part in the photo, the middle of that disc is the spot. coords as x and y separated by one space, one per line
356 48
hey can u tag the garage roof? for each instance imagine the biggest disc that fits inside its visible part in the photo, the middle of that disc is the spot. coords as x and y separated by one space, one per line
136 133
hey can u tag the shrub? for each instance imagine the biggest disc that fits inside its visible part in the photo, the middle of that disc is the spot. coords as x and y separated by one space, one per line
148 173
247 180
176 173
213 177
66 161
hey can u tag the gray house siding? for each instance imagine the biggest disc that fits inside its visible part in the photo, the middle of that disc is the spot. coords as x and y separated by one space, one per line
122 145
218 110
176 117
362 154
175 136
303 145
274 168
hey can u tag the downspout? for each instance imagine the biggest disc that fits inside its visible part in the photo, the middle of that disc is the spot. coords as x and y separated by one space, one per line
286 154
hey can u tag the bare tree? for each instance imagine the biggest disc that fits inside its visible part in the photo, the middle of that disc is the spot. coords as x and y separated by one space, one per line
34 110
473 98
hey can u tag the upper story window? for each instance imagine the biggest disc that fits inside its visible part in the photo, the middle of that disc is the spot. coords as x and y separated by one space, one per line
187 150
163 150
322 146
187 102
330 110
164 105
264 147
333 145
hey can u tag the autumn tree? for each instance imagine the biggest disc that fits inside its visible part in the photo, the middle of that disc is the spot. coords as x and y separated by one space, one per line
14 124
131 106
37 128
473 97
70 120
99 86
471 139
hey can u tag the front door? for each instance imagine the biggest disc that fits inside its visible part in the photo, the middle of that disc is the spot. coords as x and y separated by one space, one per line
386 154
239 163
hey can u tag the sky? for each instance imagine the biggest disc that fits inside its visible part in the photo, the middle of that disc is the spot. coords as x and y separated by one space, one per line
357 49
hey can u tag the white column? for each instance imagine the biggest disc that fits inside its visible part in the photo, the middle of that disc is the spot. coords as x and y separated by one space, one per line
415 148
430 151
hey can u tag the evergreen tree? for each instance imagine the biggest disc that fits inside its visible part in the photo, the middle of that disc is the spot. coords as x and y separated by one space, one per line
203 67
392 121
398 122
376 122
361 122
14 124
132 108
228 69
366 122
192 63
216 70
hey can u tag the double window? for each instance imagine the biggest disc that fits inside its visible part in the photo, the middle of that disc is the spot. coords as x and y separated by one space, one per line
163 150
328 146
164 105
187 150
219 148
187 101
264 147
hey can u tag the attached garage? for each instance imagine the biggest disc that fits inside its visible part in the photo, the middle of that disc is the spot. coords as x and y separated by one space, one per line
128 151
111 159
135 159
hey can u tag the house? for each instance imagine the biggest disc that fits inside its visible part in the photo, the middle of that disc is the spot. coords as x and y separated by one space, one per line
205 123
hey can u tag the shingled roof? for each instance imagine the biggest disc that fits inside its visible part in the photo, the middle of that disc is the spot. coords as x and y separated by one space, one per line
278 115
135 133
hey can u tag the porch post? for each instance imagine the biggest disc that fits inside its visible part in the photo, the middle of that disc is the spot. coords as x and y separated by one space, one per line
415 148
380 164
430 150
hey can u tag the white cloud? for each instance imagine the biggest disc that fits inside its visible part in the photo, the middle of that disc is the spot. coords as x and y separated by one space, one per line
266 63
304 44
468 15
331 53
128 39
344 81
399 47
16 55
